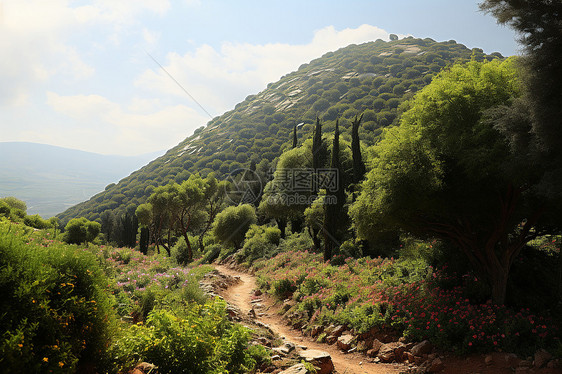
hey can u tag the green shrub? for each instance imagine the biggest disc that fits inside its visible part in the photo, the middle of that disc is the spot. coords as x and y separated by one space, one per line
180 253
15 203
55 310
254 248
295 240
261 242
212 252
200 340
81 230
4 209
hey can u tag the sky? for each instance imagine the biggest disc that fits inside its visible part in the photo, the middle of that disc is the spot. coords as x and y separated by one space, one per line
128 77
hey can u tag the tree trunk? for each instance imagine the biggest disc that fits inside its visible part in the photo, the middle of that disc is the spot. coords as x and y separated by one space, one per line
315 239
499 286
282 225
189 249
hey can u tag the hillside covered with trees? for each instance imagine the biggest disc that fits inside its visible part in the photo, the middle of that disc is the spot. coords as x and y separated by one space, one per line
404 192
371 79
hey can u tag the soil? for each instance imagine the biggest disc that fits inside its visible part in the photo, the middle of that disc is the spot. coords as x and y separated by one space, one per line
241 295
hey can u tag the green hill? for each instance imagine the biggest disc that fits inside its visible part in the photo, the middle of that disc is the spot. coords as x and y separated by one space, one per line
372 78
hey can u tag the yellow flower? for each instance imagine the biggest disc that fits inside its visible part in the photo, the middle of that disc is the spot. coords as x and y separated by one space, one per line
61 364
45 359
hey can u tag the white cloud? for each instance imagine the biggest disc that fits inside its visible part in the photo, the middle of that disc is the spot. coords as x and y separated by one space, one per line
219 79
34 40
143 126
150 37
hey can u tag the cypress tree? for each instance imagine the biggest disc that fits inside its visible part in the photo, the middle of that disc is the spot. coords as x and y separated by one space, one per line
358 164
334 212
144 239
317 146
295 139
319 152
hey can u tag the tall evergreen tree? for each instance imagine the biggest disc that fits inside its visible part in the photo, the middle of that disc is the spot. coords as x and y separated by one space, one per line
334 211
317 146
358 164
144 240
295 138
319 151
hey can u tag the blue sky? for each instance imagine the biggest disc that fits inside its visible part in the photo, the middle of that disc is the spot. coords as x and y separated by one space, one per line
77 74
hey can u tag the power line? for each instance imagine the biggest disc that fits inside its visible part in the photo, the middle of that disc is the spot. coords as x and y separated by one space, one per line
179 85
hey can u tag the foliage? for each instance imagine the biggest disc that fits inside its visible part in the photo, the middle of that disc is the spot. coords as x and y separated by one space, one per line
335 216
230 225
448 172
276 201
406 296
179 209
261 242
14 203
180 252
216 147
58 306
81 230
538 25
37 222
199 340
56 311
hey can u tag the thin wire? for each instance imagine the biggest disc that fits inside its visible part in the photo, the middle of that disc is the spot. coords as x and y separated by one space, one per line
179 84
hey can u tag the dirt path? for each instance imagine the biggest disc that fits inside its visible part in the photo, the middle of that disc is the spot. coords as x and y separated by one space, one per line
349 363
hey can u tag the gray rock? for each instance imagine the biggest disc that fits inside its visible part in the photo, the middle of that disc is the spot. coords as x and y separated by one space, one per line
541 358
436 366
296 369
338 331
290 346
391 352
511 360
320 359
344 342
422 348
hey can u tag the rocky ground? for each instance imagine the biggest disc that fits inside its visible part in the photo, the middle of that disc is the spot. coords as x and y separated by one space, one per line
295 340
297 344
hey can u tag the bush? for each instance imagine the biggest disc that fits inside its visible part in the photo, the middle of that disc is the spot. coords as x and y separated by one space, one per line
36 221
296 240
4 209
81 230
230 225
261 242
179 251
15 203
201 340
405 295
55 311
211 254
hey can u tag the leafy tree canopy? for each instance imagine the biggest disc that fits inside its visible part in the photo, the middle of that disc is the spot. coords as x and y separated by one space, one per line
448 172
230 225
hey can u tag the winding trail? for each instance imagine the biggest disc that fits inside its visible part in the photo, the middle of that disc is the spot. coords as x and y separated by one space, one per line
240 296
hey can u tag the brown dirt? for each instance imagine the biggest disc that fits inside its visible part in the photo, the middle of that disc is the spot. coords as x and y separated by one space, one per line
240 295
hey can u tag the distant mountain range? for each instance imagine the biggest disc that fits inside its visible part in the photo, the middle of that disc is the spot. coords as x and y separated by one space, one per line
51 179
